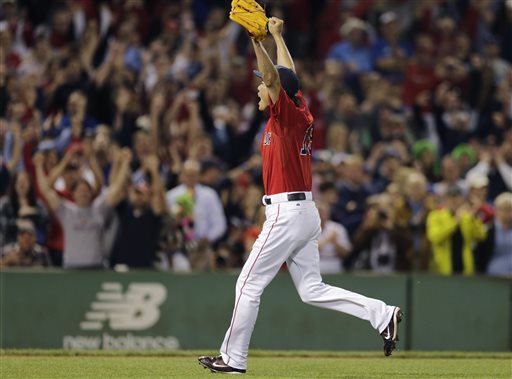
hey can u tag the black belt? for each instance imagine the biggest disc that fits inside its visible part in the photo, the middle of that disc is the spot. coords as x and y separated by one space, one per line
291 197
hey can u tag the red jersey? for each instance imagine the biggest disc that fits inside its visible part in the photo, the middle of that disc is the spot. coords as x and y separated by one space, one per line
286 146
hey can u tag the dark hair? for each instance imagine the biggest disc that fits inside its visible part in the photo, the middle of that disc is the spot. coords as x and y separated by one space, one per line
13 196
208 164
326 186
290 82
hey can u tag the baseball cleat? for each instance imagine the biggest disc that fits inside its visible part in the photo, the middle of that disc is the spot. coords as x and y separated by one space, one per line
216 364
390 334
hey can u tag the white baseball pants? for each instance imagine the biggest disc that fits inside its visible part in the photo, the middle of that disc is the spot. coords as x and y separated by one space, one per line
290 234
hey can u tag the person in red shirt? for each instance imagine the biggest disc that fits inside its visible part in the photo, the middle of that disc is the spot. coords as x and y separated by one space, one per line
419 76
291 230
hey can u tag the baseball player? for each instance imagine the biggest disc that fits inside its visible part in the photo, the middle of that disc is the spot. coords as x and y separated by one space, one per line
292 227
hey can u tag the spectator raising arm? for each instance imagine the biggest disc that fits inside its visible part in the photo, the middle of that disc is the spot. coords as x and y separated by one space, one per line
92 162
440 226
117 189
47 192
157 200
114 169
16 148
487 158
57 171
503 167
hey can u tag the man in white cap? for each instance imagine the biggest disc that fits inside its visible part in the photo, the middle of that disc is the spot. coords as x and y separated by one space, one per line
353 51
389 53
478 186
25 251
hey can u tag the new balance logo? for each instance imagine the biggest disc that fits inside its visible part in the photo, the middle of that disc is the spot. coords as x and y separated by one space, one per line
137 309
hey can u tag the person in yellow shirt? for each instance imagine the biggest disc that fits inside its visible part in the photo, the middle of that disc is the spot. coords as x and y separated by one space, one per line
452 231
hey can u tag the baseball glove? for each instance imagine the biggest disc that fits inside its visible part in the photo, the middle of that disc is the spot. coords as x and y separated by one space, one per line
251 16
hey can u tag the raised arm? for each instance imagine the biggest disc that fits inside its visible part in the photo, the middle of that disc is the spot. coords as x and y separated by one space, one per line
275 27
57 171
16 149
90 157
157 200
116 190
268 70
51 197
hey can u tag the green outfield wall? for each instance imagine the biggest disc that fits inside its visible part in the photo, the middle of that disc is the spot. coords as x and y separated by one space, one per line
152 310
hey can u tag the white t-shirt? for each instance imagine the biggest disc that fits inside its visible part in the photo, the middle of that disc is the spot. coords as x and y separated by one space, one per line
330 261
83 228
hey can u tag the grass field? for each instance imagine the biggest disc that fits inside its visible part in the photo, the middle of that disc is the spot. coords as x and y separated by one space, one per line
27 364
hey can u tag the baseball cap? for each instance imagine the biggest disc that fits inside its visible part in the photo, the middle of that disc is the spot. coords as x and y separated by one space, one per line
478 181
454 191
421 146
243 180
388 17
46 145
26 226
289 80
143 123
464 149
351 24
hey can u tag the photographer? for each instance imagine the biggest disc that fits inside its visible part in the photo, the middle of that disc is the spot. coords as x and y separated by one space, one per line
452 231
380 244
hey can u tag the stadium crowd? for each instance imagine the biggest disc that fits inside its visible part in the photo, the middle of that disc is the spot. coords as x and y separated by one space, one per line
129 133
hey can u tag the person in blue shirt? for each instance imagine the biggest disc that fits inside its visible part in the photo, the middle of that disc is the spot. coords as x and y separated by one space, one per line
390 53
353 51
73 124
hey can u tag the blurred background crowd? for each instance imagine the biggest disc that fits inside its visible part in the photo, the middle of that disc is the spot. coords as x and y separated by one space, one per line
129 133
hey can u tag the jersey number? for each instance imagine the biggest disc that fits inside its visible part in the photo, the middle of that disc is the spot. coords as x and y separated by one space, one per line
266 138
307 142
